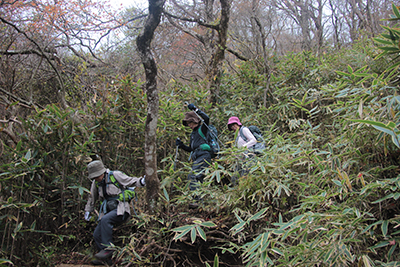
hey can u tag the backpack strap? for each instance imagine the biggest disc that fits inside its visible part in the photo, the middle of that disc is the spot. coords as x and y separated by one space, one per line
201 134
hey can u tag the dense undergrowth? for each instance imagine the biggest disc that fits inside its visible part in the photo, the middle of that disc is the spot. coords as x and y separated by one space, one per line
324 193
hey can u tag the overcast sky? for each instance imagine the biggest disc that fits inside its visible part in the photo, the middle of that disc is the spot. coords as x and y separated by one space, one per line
129 3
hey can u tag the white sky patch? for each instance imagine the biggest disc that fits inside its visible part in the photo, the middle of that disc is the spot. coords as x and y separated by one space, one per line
130 3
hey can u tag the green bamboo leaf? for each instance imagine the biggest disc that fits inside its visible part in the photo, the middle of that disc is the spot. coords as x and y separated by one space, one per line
396 11
380 245
28 155
263 168
350 69
216 261
391 195
18 228
343 73
238 218
297 102
392 249
347 253
382 41
361 74
338 183
395 140
238 227
277 251
328 255
182 234
91 137
393 66
201 233
166 195
367 261
374 123
389 49
208 224
384 227
193 234
19 144
330 148
183 228
33 226
258 215
370 226
3 261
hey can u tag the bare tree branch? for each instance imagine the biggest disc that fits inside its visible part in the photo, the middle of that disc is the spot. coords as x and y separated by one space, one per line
198 21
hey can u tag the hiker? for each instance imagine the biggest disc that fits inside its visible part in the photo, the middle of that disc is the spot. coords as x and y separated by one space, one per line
200 150
112 189
249 141
235 125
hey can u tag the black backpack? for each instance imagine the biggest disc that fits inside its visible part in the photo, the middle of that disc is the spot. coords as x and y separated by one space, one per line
211 139
260 146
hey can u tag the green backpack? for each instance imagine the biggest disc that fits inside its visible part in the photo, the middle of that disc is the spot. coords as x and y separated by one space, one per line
127 193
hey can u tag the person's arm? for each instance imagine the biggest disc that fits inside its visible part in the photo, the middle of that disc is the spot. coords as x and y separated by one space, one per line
203 115
128 181
94 195
180 144
206 119
251 140
186 148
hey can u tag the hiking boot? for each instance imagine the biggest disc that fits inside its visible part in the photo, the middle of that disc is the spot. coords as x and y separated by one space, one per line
104 254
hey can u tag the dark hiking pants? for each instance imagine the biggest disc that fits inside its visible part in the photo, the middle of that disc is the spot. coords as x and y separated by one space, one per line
201 160
103 232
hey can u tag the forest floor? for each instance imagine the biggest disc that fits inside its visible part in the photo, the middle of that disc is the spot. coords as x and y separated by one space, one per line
73 260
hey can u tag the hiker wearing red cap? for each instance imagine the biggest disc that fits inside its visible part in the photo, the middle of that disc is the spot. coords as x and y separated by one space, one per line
244 139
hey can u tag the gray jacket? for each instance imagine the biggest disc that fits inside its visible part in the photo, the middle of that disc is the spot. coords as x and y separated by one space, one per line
96 192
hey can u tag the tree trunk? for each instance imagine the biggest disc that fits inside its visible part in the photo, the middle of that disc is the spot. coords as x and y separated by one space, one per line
143 42
214 70
260 42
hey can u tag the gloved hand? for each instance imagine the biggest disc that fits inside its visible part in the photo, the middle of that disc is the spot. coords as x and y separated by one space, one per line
178 142
87 216
143 180
192 107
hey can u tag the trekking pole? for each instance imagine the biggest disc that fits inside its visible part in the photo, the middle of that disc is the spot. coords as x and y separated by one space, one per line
176 157
202 120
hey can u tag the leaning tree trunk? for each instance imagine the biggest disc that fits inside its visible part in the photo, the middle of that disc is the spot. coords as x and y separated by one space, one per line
143 42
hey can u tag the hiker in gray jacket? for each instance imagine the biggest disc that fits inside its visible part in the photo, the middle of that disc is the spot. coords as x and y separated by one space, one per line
112 188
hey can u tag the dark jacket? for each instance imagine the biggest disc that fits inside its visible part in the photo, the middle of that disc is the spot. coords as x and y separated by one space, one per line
195 139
